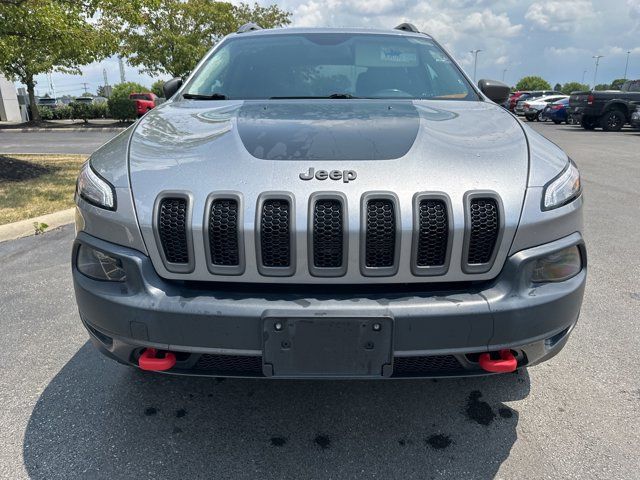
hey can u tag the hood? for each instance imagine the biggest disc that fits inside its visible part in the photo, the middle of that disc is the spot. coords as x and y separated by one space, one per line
398 146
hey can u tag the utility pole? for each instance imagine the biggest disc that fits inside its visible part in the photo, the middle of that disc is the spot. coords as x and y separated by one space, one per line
504 72
475 62
595 74
626 66
121 62
84 85
583 75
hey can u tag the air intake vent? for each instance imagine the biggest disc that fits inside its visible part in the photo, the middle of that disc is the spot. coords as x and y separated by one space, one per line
276 235
483 232
172 230
328 233
433 233
223 235
381 235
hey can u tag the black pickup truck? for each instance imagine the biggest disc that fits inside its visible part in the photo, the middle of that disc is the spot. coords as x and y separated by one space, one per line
609 109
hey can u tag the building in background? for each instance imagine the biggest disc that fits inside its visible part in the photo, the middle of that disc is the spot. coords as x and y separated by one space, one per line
9 107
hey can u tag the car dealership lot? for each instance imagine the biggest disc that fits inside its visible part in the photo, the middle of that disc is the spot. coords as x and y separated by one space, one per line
69 412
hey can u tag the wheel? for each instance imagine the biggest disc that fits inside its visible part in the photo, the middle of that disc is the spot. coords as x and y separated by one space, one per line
588 123
540 118
612 121
530 118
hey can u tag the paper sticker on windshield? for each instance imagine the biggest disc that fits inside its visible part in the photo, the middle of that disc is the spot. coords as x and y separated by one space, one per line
398 55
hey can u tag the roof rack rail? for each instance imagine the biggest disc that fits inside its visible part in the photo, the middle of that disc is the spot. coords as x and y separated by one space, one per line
407 27
249 27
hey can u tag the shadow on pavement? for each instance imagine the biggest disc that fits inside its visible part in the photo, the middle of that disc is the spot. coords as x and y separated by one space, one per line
99 419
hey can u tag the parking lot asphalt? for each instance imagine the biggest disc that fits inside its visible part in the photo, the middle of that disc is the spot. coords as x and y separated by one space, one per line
54 141
68 412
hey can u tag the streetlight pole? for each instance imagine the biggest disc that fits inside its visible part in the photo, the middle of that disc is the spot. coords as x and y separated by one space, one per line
504 72
475 62
595 74
626 66
583 75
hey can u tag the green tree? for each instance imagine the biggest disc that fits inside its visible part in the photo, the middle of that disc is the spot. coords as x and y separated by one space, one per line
156 87
123 90
533 83
38 36
602 86
617 83
557 87
569 87
169 37
120 107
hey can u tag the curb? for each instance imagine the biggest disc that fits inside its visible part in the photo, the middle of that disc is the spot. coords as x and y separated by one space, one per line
63 129
24 228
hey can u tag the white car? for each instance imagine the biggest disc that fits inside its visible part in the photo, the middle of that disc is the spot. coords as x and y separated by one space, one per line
533 109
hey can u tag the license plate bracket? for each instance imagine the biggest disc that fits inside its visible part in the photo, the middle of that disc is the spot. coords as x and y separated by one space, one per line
327 346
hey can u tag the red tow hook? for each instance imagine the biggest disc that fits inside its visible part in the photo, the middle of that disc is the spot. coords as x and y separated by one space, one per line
150 361
507 362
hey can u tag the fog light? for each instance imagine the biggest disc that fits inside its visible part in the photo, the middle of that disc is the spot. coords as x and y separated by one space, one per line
99 266
558 266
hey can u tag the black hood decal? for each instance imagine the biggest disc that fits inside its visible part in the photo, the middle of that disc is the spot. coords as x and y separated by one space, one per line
328 130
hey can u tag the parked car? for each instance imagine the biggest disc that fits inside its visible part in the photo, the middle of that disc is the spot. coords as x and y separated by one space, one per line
144 102
519 108
513 99
50 102
91 100
314 203
635 117
609 110
533 108
557 112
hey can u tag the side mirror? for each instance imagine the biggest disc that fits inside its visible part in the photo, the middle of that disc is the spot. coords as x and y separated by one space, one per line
496 91
171 87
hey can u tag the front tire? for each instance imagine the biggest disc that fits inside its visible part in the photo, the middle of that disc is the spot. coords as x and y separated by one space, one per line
612 121
530 118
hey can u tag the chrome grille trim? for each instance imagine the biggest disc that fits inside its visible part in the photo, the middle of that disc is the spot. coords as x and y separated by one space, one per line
469 198
384 271
430 270
218 269
311 235
275 271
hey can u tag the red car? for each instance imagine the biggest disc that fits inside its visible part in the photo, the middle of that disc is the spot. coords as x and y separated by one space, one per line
144 102
513 99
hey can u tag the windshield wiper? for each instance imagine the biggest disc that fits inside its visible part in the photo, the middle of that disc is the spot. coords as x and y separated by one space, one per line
311 97
197 96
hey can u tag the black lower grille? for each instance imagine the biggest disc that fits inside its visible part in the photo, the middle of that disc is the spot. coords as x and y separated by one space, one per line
433 233
223 232
328 234
484 229
275 233
426 366
230 365
172 229
380 234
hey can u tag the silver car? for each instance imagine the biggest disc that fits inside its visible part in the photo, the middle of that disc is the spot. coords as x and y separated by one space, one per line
321 203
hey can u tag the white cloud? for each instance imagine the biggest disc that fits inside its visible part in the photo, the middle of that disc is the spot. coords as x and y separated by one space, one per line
488 23
559 16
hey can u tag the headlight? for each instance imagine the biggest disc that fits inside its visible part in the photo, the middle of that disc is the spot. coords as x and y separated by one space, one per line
94 189
558 266
562 189
99 265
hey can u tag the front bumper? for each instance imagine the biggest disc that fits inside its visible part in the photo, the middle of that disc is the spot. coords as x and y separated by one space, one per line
438 330
635 119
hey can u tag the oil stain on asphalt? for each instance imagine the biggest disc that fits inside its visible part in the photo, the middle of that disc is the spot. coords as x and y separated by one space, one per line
439 441
150 411
322 441
278 441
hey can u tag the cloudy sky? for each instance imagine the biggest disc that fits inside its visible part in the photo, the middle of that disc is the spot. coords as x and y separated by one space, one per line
555 39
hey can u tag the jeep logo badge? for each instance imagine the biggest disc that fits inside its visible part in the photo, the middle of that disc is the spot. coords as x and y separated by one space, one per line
345 175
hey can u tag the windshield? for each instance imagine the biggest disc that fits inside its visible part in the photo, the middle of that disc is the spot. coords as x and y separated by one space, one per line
320 65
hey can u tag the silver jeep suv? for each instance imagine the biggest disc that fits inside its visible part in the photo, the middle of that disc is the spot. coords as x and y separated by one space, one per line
329 203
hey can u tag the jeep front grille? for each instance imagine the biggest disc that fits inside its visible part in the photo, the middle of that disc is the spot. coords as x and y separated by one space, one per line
328 233
223 232
382 239
172 229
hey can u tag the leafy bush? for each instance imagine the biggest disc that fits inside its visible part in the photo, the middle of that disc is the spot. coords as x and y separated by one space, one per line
99 110
80 111
46 113
156 88
567 88
63 112
533 83
122 109
123 90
